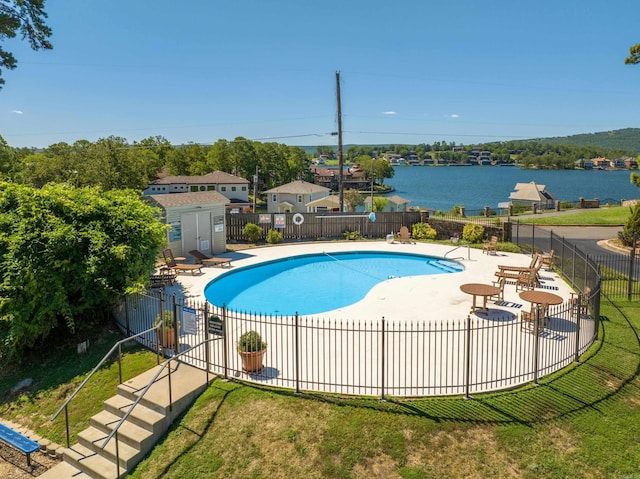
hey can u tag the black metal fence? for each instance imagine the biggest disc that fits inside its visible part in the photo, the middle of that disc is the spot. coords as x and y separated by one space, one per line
619 272
381 357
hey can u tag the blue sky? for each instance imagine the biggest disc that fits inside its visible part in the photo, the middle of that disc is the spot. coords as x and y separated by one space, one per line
467 71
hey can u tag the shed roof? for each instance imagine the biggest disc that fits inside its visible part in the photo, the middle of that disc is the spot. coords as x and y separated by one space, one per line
189 199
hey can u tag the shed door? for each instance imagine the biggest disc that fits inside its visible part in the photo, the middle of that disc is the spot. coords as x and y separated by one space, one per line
196 232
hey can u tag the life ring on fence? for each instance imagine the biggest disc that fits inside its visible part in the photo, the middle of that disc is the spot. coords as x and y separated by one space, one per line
298 219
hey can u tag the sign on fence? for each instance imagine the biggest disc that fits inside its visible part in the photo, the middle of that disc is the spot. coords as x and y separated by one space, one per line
215 326
189 321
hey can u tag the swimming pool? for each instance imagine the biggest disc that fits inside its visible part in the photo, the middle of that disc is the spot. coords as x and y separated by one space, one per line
314 283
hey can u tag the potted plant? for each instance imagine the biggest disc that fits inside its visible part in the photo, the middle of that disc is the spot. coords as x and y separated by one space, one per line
165 323
251 348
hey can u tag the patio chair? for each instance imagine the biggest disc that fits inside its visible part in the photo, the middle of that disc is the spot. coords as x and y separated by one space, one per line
202 258
528 318
490 247
404 235
580 303
500 285
177 267
547 259
527 279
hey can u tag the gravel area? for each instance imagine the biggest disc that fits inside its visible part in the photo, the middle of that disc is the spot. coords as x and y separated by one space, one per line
13 463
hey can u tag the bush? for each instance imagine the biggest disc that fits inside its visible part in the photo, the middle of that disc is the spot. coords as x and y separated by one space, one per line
632 226
423 231
274 236
352 235
472 233
250 342
252 232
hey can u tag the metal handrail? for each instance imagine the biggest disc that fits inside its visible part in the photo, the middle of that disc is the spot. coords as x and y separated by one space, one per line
147 387
117 345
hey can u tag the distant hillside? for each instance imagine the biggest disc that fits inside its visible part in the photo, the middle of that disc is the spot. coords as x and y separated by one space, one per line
627 139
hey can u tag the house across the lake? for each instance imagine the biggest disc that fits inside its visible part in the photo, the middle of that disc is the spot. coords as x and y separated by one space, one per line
530 193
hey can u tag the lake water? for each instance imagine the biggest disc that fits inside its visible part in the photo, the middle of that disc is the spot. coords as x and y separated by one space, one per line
443 187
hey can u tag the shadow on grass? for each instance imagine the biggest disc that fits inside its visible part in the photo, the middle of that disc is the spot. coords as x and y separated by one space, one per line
604 371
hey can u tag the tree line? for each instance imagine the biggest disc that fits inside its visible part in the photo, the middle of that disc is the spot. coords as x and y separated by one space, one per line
114 163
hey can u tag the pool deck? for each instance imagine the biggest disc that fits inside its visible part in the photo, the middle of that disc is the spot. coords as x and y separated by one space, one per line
411 298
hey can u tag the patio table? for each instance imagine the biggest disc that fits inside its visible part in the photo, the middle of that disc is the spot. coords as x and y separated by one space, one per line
479 289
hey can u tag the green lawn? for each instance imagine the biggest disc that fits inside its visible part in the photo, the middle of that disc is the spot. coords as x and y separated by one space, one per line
613 215
583 422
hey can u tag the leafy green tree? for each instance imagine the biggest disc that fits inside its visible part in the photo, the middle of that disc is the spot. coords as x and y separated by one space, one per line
7 160
219 157
66 255
353 199
634 55
27 18
379 203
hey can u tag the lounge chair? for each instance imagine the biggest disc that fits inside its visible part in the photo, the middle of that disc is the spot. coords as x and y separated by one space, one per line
177 267
404 235
162 279
528 278
534 261
202 258
490 247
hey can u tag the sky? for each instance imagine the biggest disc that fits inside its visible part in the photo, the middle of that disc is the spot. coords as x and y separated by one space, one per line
411 72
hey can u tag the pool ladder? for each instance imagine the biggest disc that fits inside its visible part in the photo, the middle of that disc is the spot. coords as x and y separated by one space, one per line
460 257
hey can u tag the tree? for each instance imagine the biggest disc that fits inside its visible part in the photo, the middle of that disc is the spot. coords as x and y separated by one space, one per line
353 199
66 255
26 17
634 55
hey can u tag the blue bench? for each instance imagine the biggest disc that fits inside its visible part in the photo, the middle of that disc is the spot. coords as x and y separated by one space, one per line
20 442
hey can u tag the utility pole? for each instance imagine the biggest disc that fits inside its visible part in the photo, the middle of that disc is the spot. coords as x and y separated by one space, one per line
255 189
340 161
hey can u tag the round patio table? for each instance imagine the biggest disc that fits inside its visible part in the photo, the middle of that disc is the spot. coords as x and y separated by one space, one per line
541 297
479 289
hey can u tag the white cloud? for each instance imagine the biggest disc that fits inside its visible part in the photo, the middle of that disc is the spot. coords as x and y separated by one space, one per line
388 112
455 115
17 112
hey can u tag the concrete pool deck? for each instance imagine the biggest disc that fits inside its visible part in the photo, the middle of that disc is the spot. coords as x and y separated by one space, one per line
412 298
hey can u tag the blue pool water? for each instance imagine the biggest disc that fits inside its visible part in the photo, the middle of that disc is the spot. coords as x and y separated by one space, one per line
311 284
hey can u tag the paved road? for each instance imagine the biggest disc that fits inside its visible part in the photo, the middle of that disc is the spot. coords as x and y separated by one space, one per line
586 237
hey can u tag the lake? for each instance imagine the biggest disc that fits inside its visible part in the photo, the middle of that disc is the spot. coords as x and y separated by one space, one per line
443 187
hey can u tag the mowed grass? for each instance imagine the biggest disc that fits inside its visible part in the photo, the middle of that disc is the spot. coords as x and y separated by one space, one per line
57 375
606 215
583 422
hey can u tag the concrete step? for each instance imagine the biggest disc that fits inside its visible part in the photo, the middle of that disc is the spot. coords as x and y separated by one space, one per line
65 470
141 415
187 383
129 433
92 439
90 463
